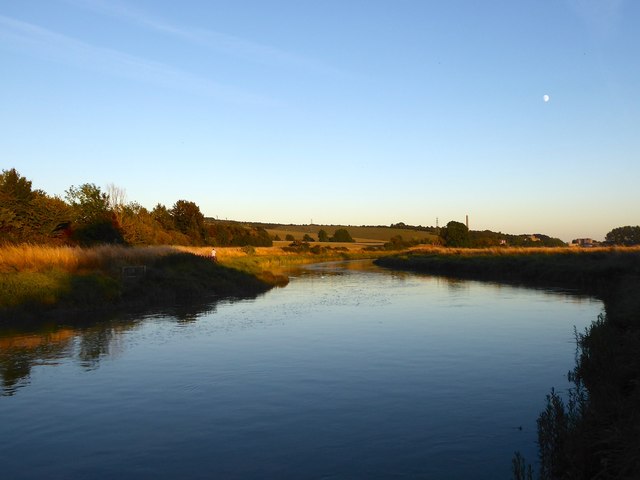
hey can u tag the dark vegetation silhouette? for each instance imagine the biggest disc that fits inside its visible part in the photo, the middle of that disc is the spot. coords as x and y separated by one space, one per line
90 216
341 235
624 236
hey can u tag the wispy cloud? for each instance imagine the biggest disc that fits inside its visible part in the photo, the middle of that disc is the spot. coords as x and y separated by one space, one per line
39 41
210 39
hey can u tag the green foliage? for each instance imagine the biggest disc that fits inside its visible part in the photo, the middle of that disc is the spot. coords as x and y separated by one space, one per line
188 219
15 199
456 234
138 225
15 204
88 203
624 236
307 238
93 220
161 215
235 234
30 288
27 215
289 237
342 235
47 213
323 236
398 243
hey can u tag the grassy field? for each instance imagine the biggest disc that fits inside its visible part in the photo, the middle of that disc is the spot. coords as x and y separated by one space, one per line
359 234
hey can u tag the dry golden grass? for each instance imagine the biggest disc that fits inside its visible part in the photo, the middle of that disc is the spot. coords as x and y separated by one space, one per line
227 253
38 258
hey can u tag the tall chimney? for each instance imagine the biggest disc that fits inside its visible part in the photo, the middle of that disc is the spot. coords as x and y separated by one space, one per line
467 222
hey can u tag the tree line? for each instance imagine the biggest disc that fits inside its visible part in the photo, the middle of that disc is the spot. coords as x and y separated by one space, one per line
87 215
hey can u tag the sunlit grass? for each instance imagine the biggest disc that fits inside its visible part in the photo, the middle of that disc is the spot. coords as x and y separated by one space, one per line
38 258
34 277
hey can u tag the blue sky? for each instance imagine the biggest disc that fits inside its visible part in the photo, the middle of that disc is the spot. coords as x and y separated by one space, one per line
344 112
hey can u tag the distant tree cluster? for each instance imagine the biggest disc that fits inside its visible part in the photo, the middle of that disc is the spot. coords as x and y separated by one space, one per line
456 234
398 243
404 226
624 236
89 216
341 235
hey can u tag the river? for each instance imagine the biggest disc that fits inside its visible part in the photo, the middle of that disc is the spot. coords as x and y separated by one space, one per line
348 372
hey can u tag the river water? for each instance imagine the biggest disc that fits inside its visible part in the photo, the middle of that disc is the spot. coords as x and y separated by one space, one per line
348 372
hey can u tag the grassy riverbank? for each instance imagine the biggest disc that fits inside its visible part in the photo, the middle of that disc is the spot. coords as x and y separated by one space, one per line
37 281
594 431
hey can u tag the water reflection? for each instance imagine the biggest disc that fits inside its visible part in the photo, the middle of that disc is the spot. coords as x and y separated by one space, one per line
349 371
86 341
20 352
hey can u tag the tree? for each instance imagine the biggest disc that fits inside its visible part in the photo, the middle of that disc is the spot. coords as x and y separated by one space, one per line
15 204
323 236
307 238
89 203
342 235
624 236
456 234
161 215
117 200
93 220
289 238
188 219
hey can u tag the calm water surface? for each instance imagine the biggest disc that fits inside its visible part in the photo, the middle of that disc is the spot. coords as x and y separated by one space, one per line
348 372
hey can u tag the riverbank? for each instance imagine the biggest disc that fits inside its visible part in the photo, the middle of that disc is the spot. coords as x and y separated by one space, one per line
40 282
595 431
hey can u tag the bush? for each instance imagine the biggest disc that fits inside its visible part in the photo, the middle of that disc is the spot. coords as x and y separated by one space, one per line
342 235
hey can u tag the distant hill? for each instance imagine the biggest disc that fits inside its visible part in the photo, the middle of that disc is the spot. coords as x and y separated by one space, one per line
409 233
362 234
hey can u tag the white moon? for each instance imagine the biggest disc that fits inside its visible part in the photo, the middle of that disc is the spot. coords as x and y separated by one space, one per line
546 98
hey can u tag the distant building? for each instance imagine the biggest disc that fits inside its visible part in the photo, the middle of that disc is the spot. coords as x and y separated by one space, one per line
583 242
